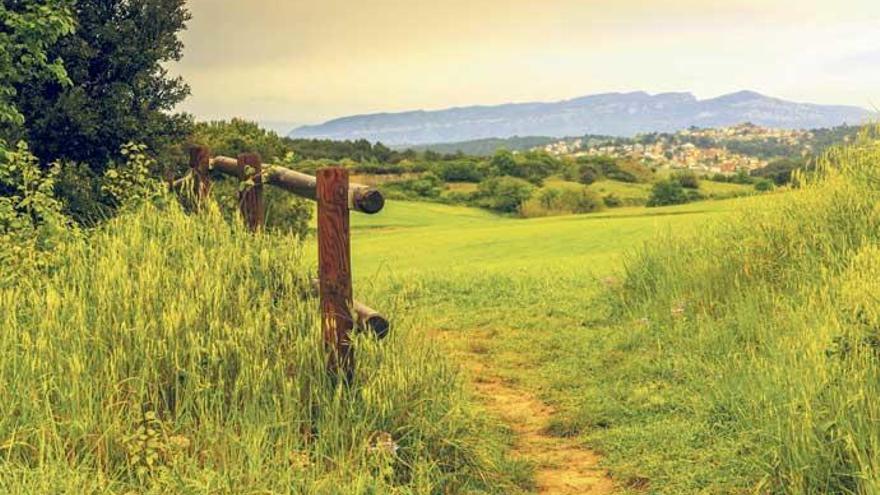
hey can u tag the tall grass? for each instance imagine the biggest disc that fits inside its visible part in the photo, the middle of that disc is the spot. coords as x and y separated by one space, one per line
170 353
769 325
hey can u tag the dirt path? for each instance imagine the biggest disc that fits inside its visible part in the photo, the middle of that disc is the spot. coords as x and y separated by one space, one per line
561 465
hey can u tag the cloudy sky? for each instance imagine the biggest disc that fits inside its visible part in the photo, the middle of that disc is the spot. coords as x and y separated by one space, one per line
296 61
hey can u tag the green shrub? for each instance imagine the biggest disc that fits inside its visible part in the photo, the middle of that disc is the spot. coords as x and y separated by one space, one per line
428 186
687 179
668 192
629 171
764 185
612 201
459 171
553 201
504 194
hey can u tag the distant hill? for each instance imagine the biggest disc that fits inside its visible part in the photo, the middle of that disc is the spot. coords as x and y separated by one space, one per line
616 114
485 147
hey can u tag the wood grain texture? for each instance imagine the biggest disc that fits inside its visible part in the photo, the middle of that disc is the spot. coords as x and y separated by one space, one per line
199 162
334 269
250 198
361 198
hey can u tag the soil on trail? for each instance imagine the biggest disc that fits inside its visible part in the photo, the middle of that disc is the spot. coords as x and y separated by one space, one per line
561 465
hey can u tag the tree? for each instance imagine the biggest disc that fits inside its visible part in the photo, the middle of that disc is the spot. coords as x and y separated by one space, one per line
688 179
503 164
28 30
118 91
668 192
504 194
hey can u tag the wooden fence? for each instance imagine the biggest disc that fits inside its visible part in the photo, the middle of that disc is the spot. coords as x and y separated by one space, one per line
340 313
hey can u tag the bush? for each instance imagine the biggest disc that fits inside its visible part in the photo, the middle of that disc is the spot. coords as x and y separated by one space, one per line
668 192
588 175
764 185
630 171
779 171
32 219
504 194
687 179
612 201
428 186
459 171
562 201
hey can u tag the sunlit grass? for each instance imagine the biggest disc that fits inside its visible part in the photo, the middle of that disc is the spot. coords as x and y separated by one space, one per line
172 353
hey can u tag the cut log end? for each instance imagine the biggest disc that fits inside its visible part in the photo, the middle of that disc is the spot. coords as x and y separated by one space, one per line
378 325
368 201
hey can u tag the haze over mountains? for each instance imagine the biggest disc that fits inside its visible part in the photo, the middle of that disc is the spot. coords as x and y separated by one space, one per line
615 114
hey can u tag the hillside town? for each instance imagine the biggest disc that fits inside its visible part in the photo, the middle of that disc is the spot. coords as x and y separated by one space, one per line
700 150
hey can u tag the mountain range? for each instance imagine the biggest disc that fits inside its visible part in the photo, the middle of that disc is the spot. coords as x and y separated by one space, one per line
615 114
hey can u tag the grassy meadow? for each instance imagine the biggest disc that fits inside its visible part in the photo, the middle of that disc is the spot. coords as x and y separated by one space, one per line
716 347
169 353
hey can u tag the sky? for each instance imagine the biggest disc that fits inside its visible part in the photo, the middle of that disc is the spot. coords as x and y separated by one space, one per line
291 62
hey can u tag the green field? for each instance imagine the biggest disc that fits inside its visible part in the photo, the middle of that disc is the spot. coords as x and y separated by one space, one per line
717 347
671 340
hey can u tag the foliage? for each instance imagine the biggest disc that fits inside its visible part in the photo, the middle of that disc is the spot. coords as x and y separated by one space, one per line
779 171
118 89
503 164
687 179
28 31
560 201
231 138
428 186
504 194
32 222
487 147
764 185
459 171
668 192
133 183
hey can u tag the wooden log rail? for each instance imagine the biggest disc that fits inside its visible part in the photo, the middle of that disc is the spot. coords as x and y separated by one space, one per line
335 197
362 198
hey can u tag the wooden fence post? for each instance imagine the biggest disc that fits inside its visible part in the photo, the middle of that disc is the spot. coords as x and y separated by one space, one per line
250 198
200 163
334 269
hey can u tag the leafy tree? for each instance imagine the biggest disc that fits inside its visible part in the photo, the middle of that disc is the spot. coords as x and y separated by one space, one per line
688 179
459 171
741 177
117 89
764 185
240 136
28 30
668 192
588 175
503 164
504 194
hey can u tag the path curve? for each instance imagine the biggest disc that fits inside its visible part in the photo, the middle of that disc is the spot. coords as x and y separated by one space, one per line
562 466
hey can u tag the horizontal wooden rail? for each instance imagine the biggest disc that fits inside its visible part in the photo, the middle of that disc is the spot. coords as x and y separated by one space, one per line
362 198
366 317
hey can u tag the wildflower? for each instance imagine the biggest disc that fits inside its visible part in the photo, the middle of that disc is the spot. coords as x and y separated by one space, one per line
384 443
299 460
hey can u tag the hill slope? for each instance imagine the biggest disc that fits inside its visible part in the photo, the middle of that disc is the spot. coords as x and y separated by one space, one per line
618 114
